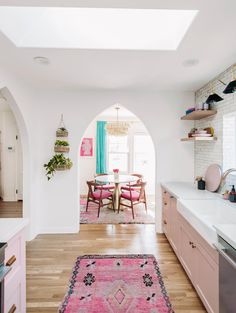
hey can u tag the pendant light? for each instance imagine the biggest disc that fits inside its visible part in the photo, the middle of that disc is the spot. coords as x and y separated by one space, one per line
213 97
117 128
231 87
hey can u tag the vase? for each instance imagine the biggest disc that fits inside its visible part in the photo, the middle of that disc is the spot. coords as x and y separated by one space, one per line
116 176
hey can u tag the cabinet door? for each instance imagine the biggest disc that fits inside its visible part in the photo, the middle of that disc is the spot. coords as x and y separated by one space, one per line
166 213
187 252
174 224
206 281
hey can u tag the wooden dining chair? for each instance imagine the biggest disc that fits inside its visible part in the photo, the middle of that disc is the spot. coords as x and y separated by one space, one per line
98 196
135 197
132 185
104 186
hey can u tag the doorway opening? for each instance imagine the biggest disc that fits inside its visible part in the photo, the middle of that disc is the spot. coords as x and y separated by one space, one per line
11 163
133 155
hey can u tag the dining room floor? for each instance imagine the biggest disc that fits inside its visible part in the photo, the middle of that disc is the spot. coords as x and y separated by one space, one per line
108 216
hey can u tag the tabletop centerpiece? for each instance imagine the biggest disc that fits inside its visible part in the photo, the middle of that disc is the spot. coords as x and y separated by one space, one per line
116 173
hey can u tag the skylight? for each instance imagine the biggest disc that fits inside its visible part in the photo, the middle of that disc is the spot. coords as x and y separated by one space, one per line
95 28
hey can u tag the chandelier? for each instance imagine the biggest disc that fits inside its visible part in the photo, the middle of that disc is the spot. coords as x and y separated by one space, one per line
117 128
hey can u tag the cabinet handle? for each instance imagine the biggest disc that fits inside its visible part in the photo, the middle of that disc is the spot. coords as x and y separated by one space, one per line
165 222
12 309
11 261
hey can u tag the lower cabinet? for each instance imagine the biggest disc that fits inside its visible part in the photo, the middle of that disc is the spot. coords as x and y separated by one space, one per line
14 284
199 259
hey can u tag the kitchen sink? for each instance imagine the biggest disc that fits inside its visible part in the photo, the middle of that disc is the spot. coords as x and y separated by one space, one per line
204 214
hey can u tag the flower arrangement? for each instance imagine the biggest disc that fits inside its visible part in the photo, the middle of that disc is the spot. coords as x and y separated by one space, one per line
116 173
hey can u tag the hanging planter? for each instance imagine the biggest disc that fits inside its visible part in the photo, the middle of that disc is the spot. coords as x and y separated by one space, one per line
62 131
61 146
57 163
63 167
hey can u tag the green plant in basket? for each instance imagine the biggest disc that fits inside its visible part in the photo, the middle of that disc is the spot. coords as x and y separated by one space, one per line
63 143
57 162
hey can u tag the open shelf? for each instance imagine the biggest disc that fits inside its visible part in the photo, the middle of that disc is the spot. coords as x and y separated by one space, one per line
199 139
198 115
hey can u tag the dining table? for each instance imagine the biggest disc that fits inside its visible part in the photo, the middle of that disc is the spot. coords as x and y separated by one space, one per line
117 181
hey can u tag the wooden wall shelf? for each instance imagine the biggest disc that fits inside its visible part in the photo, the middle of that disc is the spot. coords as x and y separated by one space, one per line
199 139
198 115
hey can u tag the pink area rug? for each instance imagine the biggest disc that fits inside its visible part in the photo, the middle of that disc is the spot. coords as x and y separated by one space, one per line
116 284
108 216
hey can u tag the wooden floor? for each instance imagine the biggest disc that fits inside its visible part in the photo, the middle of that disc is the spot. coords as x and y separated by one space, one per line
50 259
11 209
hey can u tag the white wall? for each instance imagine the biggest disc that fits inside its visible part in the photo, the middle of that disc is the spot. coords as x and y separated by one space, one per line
87 166
54 206
58 200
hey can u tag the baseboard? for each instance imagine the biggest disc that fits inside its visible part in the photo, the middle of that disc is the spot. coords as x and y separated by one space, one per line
59 230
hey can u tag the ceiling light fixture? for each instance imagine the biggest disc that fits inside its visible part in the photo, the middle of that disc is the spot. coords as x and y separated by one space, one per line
117 128
41 60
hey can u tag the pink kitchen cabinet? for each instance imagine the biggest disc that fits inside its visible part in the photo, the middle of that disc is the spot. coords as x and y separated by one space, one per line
15 284
198 257
170 215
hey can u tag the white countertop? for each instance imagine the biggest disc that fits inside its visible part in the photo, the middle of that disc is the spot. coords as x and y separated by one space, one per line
9 227
227 232
188 190
207 212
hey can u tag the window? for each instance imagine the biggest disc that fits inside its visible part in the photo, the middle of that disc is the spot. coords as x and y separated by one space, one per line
229 141
118 153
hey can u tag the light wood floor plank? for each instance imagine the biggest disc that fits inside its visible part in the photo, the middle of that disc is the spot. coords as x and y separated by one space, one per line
50 259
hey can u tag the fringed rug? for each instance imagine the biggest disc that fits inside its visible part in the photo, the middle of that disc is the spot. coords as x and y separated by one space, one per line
108 216
116 284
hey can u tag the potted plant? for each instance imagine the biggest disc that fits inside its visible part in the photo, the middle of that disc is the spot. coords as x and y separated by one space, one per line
61 146
57 163
62 132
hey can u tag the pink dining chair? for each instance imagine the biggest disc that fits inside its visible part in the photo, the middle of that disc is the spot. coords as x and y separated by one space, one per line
97 196
104 186
132 185
135 197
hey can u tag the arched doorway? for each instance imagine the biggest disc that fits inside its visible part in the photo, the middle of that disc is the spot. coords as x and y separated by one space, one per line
17 147
132 153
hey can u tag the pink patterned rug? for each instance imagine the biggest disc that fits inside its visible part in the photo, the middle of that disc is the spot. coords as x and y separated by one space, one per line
108 216
116 284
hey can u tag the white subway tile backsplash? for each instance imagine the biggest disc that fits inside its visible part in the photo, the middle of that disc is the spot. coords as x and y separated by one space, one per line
207 153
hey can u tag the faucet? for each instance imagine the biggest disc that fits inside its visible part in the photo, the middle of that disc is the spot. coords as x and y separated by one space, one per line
223 179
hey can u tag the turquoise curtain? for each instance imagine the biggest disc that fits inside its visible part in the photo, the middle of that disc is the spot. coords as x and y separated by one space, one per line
101 148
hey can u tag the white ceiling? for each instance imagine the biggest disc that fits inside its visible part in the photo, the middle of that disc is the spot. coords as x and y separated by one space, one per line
111 113
210 39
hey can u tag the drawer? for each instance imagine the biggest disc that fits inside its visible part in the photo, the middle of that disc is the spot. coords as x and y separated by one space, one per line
13 295
13 257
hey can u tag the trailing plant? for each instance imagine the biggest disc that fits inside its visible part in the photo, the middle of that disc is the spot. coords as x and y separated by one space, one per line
61 143
57 162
